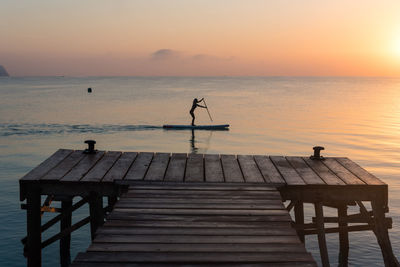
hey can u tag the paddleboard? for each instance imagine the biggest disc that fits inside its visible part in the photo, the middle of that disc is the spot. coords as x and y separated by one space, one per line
200 127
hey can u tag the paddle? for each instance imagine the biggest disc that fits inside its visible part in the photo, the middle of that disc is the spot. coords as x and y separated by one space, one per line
205 104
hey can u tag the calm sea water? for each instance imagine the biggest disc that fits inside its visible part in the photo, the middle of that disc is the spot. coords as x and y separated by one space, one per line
354 117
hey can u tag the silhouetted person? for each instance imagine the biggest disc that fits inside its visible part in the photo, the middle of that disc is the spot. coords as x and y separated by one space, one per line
194 106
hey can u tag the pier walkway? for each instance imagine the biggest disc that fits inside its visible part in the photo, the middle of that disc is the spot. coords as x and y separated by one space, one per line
333 182
197 224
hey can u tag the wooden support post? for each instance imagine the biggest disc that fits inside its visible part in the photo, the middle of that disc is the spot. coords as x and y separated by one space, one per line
34 233
319 214
96 212
65 242
299 218
343 236
382 234
111 201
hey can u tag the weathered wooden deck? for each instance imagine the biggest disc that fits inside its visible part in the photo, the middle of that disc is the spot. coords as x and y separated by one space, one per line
197 224
334 182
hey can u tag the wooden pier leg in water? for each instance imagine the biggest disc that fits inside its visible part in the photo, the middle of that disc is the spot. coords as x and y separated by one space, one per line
382 234
299 218
319 214
34 237
96 213
112 200
343 237
65 242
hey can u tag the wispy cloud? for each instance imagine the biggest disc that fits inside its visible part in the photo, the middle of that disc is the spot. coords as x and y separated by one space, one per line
205 57
165 54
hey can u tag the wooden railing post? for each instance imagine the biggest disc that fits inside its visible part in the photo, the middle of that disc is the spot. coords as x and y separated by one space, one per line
343 236
34 233
65 223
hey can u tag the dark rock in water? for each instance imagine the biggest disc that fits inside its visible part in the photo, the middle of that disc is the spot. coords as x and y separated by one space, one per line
89 90
3 72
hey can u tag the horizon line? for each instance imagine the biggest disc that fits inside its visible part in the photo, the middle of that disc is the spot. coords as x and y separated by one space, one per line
200 76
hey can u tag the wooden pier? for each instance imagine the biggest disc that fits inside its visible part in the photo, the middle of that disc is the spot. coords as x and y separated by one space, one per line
181 209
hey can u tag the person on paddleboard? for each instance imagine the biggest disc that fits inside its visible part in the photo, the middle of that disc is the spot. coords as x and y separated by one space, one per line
194 106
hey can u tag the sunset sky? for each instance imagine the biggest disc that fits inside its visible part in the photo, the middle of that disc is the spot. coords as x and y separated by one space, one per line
201 37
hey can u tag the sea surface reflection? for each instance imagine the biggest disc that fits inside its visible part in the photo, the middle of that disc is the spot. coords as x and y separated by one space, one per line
354 117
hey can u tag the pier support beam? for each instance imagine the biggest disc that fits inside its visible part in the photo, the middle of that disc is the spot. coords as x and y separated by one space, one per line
382 234
319 214
299 218
96 213
65 223
112 200
343 236
34 233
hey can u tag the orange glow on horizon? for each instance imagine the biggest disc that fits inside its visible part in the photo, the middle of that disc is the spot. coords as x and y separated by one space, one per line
292 38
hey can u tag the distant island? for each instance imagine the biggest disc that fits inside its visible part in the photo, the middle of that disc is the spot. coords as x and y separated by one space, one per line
3 72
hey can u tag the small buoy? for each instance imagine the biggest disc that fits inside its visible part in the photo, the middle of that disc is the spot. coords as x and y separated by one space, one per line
89 90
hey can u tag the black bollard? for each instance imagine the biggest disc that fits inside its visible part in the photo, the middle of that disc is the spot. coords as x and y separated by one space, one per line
317 153
90 149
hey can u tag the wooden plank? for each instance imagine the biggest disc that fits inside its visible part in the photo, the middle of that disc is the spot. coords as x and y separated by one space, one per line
203 201
176 168
306 173
139 166
97 173
250 170
324 172
273 231
121 167
213 168
83 167
204 194
201 192
268 170
47 165
65 166
114 222
227 212
272 195
231 169
203 186
198 239
163 205
194 168
341 171
193 257
361 173
199 218
240 247
157 167
289 174
153 264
